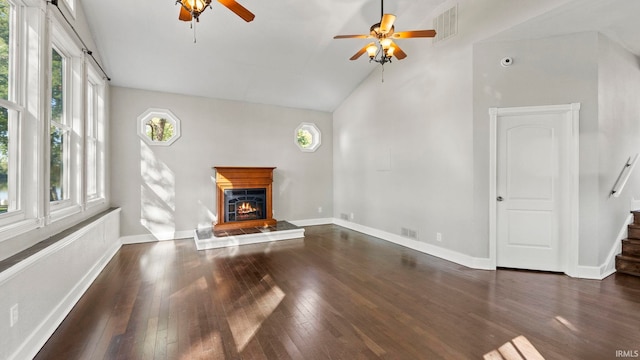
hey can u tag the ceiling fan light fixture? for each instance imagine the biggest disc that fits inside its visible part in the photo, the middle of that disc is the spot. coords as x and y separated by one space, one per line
390 51
372 50
385 43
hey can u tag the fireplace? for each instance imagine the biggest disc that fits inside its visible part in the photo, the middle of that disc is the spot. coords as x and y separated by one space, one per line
245 204
244 197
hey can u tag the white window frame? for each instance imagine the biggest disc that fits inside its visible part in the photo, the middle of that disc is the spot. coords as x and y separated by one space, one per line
15 112
152 113
315 134
95 136
70 123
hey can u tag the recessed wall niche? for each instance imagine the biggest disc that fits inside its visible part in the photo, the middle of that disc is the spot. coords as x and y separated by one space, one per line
158 127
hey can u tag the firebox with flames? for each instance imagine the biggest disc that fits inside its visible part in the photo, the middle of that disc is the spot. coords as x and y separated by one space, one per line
246 208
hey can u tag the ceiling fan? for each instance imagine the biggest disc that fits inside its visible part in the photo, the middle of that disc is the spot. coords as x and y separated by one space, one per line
191 9
384 32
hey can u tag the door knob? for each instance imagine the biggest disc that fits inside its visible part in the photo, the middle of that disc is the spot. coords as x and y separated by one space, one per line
499 198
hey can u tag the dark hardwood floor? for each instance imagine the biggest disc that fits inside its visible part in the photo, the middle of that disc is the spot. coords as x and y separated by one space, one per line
337 294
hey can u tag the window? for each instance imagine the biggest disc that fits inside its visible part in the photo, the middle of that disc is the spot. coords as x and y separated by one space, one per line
307 137
9 114
94 136
66 116
158 127
59 136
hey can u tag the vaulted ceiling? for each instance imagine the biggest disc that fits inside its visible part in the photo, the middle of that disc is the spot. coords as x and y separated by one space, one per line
287 56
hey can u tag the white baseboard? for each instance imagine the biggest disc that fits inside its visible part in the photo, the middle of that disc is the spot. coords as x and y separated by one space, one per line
312 222
446 254
147 238
609 266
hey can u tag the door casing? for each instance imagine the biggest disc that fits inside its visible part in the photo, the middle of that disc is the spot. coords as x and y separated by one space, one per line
570 114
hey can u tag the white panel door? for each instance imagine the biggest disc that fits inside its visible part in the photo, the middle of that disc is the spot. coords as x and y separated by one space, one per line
529 187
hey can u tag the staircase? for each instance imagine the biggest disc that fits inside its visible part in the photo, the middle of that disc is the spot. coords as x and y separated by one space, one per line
629 261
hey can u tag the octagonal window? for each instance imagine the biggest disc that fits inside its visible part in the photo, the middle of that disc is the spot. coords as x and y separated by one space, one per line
158 127
307 137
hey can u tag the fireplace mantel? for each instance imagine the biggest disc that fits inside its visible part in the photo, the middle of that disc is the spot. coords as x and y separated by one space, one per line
234 178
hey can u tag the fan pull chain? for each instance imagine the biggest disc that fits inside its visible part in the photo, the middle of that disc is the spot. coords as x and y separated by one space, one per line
193 26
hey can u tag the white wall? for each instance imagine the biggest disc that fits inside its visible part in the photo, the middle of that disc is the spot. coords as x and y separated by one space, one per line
557 70
176 194
618 138
404 150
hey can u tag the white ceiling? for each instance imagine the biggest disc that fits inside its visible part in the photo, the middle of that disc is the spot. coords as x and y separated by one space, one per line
287 56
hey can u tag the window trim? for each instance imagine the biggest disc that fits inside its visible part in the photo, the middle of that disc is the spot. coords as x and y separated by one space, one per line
161 113
64 44
315 133
95 106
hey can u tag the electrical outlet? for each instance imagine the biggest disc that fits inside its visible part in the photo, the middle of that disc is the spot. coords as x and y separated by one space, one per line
319 209
351 216
439 237
13 315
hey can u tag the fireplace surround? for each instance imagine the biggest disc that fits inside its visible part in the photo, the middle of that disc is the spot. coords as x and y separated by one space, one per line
243 196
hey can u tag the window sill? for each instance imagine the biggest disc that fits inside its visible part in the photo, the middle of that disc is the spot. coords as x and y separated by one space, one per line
18 228
65 212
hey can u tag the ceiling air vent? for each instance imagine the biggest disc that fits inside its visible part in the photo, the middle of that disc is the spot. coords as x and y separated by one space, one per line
446 24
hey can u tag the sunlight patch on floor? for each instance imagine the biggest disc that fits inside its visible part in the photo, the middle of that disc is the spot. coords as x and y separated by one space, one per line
252 311
518 348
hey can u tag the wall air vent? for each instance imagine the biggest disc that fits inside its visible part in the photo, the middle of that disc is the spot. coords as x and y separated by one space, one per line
446 24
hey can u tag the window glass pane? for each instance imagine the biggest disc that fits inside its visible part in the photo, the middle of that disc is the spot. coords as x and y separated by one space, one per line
4 160
4 49
159 129
57 164
91 168
305 138
57 87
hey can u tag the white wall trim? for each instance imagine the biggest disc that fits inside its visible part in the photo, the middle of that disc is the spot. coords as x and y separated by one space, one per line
609 266
29 335
312 222
36 340
147 238
571 249
446 254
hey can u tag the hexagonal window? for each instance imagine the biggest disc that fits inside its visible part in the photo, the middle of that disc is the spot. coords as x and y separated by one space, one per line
158 127
307 137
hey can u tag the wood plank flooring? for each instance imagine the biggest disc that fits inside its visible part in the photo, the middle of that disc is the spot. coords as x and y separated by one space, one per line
337 294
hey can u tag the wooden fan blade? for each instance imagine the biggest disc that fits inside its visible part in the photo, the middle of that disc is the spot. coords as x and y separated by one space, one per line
352 36
413 34
240 10
361 51
184 14
398 53
386 23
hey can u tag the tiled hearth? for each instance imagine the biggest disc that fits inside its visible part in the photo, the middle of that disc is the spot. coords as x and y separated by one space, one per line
282 230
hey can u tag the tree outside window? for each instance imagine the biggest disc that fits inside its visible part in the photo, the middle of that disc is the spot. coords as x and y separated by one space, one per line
59 132
158 127
4 114
307 137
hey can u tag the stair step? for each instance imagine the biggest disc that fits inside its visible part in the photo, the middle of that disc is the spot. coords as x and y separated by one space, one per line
636 216
628 265
633 231
631 247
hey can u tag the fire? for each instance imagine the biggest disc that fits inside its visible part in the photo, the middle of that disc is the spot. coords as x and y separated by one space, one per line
245 208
